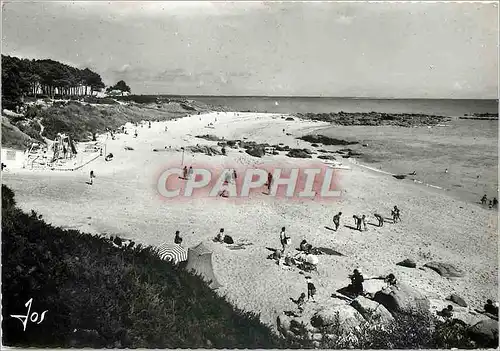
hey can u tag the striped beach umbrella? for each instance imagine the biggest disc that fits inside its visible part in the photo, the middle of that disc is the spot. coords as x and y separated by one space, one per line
172 252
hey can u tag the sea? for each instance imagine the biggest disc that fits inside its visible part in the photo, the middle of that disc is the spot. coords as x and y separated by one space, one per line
441 107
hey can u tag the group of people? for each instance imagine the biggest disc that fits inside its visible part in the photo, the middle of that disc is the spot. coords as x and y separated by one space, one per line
492 203
301 300
360 221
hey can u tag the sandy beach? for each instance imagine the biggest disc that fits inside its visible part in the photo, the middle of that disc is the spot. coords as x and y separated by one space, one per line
124 201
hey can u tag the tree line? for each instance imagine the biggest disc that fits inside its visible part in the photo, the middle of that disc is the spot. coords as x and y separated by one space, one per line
49 78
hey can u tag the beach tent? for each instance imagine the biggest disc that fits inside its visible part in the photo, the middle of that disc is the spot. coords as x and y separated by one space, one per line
172 252
200 262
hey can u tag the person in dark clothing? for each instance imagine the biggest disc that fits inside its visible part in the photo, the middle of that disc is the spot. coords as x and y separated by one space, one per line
177 239
220 236
269 181
495 202
446 312
357 222
490 205
311 289
357 282
380 219
491 308
92 176
484 199
185 172
336 220
396 214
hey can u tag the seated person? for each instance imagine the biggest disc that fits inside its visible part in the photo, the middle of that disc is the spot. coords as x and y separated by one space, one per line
446 312
491 308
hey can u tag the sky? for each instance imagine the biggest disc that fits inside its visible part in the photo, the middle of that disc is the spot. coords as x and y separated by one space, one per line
381 50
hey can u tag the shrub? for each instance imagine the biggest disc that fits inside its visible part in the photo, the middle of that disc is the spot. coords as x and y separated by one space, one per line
101 296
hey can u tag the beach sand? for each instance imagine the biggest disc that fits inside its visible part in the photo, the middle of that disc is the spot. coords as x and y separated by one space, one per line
124 201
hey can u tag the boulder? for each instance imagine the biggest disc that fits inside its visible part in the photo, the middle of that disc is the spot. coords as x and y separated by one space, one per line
327 157
339 318
402 299
256 151
407 263
485 333
445 269
457 299
299 153
372 311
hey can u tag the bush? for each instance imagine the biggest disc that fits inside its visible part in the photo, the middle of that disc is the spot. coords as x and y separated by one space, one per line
101 296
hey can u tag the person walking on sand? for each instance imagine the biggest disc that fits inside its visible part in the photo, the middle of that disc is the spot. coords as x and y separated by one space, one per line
135 133
495 202
92 176
380 219
235 176
311 289
285 240
177 239
190 172
336 220
363 220
184 172
398 213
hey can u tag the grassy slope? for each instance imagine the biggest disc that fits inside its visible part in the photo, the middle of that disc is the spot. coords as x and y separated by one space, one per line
13 137
81 120
123 298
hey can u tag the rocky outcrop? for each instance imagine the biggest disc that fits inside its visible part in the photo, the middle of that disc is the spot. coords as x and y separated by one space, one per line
299 153
372 311
207 150
407 263
445 269
256 151
485 333
457 299
321 139
402 299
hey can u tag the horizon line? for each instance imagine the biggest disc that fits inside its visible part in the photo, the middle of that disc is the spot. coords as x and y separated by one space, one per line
315 97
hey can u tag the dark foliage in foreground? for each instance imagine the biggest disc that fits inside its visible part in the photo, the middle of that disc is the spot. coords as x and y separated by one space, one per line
100 296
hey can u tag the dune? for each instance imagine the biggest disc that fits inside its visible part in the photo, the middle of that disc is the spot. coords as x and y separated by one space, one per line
124 201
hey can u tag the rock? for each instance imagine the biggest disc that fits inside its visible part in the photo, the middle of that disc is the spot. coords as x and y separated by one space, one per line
209 137
445 269
407 263
314 145
327 157
402 299
299 153
289 119
337 318
321 139
372 311
485 333
256 151
457 299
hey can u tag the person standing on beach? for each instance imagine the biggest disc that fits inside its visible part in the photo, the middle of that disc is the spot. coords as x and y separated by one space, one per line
177 239
380 219
284 239
495 202
190 172
92 176
396 214
185 172
269 181
311 289
363 220
357 222
336 220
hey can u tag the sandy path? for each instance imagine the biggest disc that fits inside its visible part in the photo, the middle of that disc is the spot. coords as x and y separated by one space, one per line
123 201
